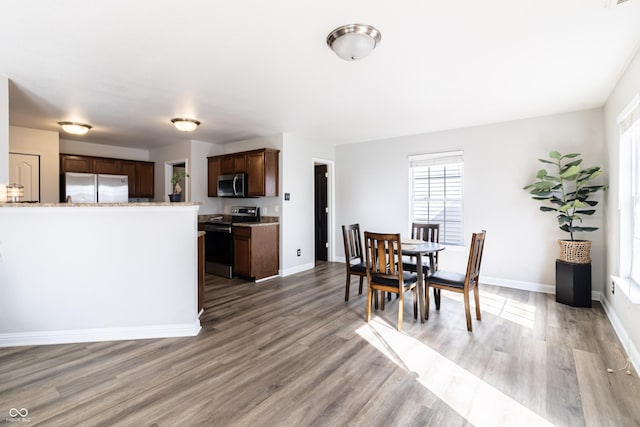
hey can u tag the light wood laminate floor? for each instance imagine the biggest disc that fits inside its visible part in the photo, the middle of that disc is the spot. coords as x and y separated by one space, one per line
291 352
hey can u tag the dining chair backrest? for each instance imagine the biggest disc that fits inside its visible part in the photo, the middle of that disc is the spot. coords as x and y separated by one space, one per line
475 259
352 243
382 252
426 232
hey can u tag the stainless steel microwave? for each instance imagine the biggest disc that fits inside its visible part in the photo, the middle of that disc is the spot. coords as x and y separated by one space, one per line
232 185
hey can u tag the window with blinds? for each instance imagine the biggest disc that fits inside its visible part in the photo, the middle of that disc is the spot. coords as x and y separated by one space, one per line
436 193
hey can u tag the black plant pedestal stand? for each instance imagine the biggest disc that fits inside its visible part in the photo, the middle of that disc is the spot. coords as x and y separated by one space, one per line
573 284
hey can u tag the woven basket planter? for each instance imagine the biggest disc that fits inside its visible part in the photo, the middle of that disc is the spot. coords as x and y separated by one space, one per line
575 251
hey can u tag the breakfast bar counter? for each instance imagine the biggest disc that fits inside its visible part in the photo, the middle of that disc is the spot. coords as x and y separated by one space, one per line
89 272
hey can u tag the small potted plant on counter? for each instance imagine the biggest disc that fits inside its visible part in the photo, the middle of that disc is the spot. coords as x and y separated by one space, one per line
177 177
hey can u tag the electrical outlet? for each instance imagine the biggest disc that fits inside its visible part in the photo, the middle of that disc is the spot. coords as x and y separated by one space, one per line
613 287
299 252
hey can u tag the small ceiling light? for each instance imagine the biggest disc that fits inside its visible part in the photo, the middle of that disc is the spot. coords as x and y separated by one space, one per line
185 125
75 128
354 41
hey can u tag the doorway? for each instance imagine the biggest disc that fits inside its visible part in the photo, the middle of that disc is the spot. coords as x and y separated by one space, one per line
321 212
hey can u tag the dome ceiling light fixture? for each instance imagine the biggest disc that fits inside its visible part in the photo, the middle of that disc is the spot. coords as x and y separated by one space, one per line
353 41
75 128
185 124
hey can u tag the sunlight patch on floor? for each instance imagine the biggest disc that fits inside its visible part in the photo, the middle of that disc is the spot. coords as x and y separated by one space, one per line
506 308
478 402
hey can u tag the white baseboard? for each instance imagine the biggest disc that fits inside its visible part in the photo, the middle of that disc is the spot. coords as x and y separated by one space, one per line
518 284
297 269
621 332
101 334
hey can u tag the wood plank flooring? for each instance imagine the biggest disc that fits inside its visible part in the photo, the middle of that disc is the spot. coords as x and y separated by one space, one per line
291 352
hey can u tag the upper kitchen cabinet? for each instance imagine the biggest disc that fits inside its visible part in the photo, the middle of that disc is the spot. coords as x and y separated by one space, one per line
139 173
262 172
106 166
71 163
233 163
213 171
261 167
144 179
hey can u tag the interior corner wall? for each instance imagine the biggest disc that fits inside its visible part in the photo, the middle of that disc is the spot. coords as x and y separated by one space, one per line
44 144
297 219
4 130
199 176
177 151
618 304
372 188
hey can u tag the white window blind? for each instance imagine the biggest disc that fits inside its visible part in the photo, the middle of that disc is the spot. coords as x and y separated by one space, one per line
436 193
629 190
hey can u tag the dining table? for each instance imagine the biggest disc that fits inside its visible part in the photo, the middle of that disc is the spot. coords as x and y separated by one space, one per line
420 248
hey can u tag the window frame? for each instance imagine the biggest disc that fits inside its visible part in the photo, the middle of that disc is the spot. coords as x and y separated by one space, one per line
437 160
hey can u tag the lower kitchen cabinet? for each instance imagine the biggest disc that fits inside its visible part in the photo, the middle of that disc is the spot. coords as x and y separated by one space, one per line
256 250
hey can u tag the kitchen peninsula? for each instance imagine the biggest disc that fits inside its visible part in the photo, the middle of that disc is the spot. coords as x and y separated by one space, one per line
97 272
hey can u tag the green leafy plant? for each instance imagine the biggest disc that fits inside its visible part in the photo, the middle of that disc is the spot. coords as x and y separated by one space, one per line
567 192
176 178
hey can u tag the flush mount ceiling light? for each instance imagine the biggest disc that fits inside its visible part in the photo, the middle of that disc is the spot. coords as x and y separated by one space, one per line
75 128
354 41
185 125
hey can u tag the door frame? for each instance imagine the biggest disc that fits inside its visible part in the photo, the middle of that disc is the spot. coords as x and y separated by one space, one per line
168 173
331 252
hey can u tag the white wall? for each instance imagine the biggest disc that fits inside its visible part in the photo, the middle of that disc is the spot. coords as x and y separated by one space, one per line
97 273
44 144
4 132
297 225
181 152
621 310
82 148
199 175
499 159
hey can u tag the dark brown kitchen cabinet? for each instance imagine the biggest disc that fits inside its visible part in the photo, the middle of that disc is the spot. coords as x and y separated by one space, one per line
261 167
81 164
213 171
256 251
144 179
139 173
106 166
233 163
262 172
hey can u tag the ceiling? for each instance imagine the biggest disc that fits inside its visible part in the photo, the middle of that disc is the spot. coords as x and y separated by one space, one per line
254 68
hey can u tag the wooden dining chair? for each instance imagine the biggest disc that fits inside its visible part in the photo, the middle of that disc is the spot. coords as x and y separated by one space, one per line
353 256
461 283
385 273
428 233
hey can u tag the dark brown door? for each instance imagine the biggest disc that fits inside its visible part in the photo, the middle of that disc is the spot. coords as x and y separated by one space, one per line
321 214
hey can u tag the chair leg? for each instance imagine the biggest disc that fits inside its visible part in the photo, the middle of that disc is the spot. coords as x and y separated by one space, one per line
375 298
436 297
467 311
476 296
426 303
383 296
346 288
360 288
415 302
369 295
400 311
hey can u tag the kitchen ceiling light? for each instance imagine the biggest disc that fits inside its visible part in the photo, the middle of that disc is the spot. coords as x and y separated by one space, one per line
354 41
185 125
75 128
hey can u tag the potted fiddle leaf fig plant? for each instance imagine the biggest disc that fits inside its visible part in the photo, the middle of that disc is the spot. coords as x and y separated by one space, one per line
177 177
566 192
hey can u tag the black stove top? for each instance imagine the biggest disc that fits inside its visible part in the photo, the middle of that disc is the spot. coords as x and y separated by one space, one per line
238 214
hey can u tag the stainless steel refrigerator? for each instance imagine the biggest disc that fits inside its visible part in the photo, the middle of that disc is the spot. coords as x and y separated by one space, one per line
95 188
